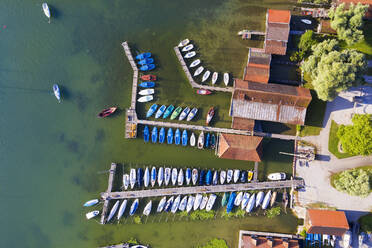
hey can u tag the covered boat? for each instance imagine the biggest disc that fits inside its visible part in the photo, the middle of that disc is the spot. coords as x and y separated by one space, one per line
194 176
168 205
215 178
192 114
188 48
198 71
91 203
201 140
146 177
213 141
230 203
176 112
214 77
259 198
184 138
243 176
134 207
236 175
225 199
162 135
207 139
192 140
210 115
204 202
170 136
203 92
184 114
161 204
183 204
160 176
222 177
153 176
184 42
195 63
148 84
188 176
146 61
250 175
211 201
190 203
245 200
151 110
177 137
92 214
238 199
160 111
266 200
113 210
273 199
147 67
122 208
197 201
167 175
106 112
146 92
143 56
168 111
251 203
125 181
174 176
145 98
202 177
208 178
180 178
176 204
139 177
206 76
57 92
147 209
190 54
226 78
229 176
148 77
154 135
132 178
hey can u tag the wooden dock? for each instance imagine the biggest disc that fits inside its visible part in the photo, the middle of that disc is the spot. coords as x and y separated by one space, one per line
109 189
135 74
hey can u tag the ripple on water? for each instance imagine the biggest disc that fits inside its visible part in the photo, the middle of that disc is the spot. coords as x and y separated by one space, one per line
68 218
100 135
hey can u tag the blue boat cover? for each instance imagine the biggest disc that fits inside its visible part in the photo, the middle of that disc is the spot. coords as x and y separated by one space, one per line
208 178
139 176
230 204
177 137
162 135
184 138
170 136
201 177
147 84
146 134
154 135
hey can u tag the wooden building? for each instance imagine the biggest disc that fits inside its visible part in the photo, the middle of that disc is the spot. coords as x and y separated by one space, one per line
326 222
277 31
250 239
258 66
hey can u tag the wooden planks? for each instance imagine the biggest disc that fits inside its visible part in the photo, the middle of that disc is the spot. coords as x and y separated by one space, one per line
109 188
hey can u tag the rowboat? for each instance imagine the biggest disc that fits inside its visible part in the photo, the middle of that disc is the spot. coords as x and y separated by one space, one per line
154 135
184 113
215 178
160 176
195 63
174 176
276 176
210 203
259 198
46 10
169 203
146 177
251 203
143 56
162 135
147 209
203 92
184 138
57 92
122 208
184 43
192 140
134 207
229 176
206 76
113 210
213 141
146 92
245 200
147 67
151 110
238 199
170 136
194 176
91 203
148 84
177 137
207 139
306 21
176 204
225 199
180 178
168 111
92 214
210 115
197 201
198 71
201 140
132 178
145 98
139 177
226 78
176 112
273 198
167 174
190 203
125 181
183 204
146 61
266 200
243 177
192 114
148 77
153 176
236 175
208 178
204 202
161 204
190 54
250 175
188 176
222 177
214 77
201 177
106 112
188 48
230 203
160 111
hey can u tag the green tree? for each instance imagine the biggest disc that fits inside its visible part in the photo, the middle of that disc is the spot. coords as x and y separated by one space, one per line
202 215
332 70
314 1
356 139
307 40
348 22
215 243
137 220
273 212
365 223
353 182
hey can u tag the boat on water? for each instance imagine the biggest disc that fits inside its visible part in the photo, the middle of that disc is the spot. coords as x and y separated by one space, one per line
238 199
211 201
190 203
259 198
197 201
190 55
230 203
148 84
188 48
183 204
134 207
184 42
167 175
192 140
201 140
346 239
214 77
160 111
229 176
148 77
201 177
106 112
226 78
146 61
162 135
251 203
154 135
276 176
188 176
168 111
151 110
176 112
208 178
177 137
236 175
198 71
184 114
215 178
194 176
147 67
206 76
204 202
92 214
169 203
225 199
145 98
170 136
184 138
146 177
250 175
113 210
243 176
222 177
213 141
266 200
46 11
126 181
91 203
143 56
245 200
176 204
174 176
207 139
153 176
147 209
210 115
161 204
192 114
160 176
306 21
132 178
139 177
273 198
57 92
195 63
122 208
203 92
146 92
180 178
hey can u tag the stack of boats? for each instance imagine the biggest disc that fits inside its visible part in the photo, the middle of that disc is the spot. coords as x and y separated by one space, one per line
182 114
187 48
148 84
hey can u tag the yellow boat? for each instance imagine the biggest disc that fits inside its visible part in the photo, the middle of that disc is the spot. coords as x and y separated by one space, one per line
250 175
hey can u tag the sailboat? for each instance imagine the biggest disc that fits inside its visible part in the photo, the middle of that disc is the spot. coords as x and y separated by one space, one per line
238 199
188 176
125 181
174 176
201 140
259 198
57 92
134 207
91 203
175 204
139 177
215 178
210 203
168 205
245 200
229 176
273 198
266 200
122 209
132 178
204 202
198 199
236 175
167 174
194 176
147 209
113 210
153 176
192 140
146 178
180 178
222 177
183 204
161 204
160 176
46 11
251 203
190 203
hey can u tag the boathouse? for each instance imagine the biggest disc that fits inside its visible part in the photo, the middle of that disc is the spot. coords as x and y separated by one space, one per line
277 31
250 239
258 66
326 222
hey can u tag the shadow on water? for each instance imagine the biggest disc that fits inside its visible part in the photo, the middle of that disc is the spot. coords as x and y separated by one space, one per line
54 12
65 93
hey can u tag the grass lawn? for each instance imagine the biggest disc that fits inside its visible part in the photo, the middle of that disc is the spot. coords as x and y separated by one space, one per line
314 115
333 142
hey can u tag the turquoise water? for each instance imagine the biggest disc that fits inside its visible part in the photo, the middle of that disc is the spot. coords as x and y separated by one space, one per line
52 155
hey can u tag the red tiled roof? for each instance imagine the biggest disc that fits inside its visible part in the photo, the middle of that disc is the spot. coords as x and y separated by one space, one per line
275 47
240 147
242 124
278 16
277 31
327 222
263 242
257 73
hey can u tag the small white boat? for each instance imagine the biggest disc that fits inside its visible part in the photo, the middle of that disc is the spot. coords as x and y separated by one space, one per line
245 200
167 175
238 199
210 203
184 43
276 176
113 210
180 178
145 98
91 203
174 176
194 176
147 209
92 214
203 203
57 92
187 48
250 205
146 177
146 92
122 208
198 200
266 200
161 204
46 11
190 203
195 63
306 21
215 178
222 177
201 140
198 71
214 77
236 175
206 76
160 176
192 140
346 239
183 204
229 176
259 198
126 181
190 54
132 178
273 198
226 78
176 204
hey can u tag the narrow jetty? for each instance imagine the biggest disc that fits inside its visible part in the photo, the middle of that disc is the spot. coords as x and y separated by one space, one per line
109 189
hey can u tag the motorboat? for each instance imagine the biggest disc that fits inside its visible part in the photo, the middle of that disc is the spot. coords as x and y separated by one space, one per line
190 55
57 92
143 56
308 22
145 98
161 204
160 176
170 136
225 199
208 178
154 135
184 138
176 112
238 199
151 110
195 63
222 177
229 176
273 198
245 200
147 67
192 140
168 111
125 181
162 135
230 203
206 76
106 112
91 203
148 84
243 176
146 61
46 11
266 200
194 176
183 204
139 177
203 92
174 176
276 176
226 78
146 177
92 214
251 203
215 178
250 175
153 176
207 139
180 178
169 203
184 114
201 140
236 175
177 137
147 209
148 77
201 177
204 202
184 43
211 201
213 141
346 239
113 210
167 175
188 48
176 204
197 201
192 114
122 208
132 178
134 207
210 115
160 111
198 71
361 239
214 77
190 203
259 198
188 176
146 92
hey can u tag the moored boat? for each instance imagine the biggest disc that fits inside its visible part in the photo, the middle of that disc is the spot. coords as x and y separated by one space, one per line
145 98
170 136
210 115
183 204
167 176
174 176
208 178
243 177
201 140
180 177
190 55
236 175
106 112
57 92
168 111
214 77
276 176
203 92
230 203
195 63
184 138
194 176
266 200
259 198
148 84
226 78
204 202
222 177
162 135
225 199
153 176
250 175
147 67
176 204
192 140
201 177
184 42
251 203
132 178
238 199
113 210
207 139
177 137
148 77
146 92
147 209
184 114
198 71
125 181
192 114
91 203
134 207
154 135
188 176
169 203
160 176
46 11
146 177
273 198
122 209
245 200
176 112
143 56
151 110
161 204
306 21
229 176
215 178
211 201
190 203
188 48
139 177
146 61
206 76
197 201
92 214
213 141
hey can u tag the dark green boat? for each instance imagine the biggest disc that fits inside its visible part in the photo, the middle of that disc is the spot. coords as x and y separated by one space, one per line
213 141
225 199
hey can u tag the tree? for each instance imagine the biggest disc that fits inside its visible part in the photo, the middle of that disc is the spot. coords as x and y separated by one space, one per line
314 1
332 70
273 212
356 139
353 182
307 40
348 23
215 243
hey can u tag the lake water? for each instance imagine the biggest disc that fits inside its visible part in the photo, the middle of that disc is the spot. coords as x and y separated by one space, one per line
53 155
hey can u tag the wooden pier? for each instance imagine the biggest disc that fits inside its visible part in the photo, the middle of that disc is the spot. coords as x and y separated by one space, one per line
247 34
135 74
109 189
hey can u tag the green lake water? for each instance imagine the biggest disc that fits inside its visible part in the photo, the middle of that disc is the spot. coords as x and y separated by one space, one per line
53 155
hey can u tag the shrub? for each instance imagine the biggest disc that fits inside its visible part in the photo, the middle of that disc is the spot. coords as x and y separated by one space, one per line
215 243
137 220
273 212
353 182
202 215
365 223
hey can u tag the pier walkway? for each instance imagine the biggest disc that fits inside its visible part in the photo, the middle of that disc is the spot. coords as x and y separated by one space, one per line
135 74
109 188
